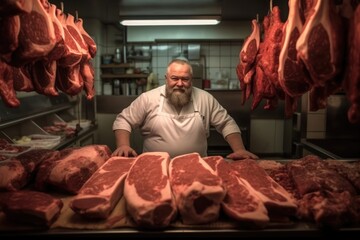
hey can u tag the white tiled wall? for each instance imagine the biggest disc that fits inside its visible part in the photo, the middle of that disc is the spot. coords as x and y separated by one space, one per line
219 58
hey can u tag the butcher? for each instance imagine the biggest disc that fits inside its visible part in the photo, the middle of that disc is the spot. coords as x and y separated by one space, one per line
176 118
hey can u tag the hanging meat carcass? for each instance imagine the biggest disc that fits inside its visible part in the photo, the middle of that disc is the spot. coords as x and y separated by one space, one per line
351 82
247 56
321 44
293 76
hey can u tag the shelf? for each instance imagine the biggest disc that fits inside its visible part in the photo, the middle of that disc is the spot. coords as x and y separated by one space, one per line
118 65
139 58
114 76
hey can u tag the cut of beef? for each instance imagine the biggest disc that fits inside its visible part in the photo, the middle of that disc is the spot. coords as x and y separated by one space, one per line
102 191
240 202
34 42
147 191
75 166
348 170
22 78
293 76
321 43
246 69
351 81
197 189
328 209
31 207
13 175
277 200
7 91
311 174
71 55
92 48
31 159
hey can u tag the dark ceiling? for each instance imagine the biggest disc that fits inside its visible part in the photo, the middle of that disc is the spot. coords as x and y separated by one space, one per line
109 11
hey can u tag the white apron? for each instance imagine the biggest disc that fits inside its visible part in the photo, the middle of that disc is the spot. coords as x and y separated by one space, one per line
176 134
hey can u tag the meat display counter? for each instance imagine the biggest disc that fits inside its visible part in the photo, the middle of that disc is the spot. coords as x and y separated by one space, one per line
45 115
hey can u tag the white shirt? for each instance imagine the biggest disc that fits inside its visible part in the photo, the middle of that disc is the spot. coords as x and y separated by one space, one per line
144 109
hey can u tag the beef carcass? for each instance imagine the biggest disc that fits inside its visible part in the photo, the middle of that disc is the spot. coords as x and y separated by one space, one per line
102 191
71 56
246 69
351 82
87 71
269 60
7 91
22 78
240 202
293 76
36 36
276 199
74 166
197 189
77 36
321 44
147 192
92 48
32 207
43 77
87 74
311 174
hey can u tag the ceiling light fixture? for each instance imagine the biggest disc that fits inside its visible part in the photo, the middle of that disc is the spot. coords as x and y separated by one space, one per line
170 22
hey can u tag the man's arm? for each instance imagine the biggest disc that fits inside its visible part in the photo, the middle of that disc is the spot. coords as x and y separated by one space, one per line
237 145
122 138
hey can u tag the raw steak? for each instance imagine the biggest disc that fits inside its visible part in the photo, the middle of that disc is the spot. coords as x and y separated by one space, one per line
13 175
277 200
293 76
76 165
147 191
240 202
102 191
35 208
197 189
311 174
321 43
328 209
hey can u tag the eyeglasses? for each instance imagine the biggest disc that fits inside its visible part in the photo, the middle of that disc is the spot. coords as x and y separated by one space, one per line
176 78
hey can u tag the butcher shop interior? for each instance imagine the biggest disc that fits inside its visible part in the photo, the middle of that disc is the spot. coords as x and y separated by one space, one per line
287 72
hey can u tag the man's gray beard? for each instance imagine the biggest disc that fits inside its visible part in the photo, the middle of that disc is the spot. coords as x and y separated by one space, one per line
178 99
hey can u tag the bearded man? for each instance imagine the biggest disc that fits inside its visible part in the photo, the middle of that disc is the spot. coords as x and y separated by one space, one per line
176 118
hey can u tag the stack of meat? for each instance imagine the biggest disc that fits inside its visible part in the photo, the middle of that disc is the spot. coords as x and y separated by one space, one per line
326 191
158 190
43 49
311 52
26 179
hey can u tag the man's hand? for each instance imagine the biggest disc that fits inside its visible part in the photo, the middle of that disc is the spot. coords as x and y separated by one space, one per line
124 151
242 154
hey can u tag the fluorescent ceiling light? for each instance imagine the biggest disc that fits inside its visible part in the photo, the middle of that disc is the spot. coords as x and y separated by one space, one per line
169 22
